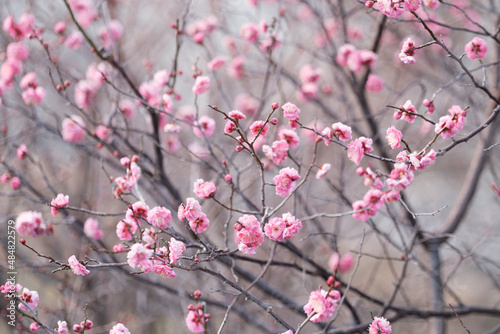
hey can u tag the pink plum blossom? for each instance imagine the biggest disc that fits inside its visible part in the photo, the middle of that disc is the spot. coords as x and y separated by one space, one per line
9 69
286 181
249 235
371 203
308 74
235 69
400 177
189 211
323 170
380 326
159 217
60 27
290 136
15 183
405 112
412 5
9 287
77 267
432 4
84 11
28 80
205 124
6 177
103 133
176 248
201 85
200 223
279 229
17 51
358 147
196 319
30 297
343 264
216 63
450 125
21 29
30 223
430 106
22 151
58 203
204 189
343 54
374 84
476 48
278 152
371 179
74 41
249 32
62 327
367 57
91 229
259 128
390 8
408 52
394 136
341 131
128 108
125 229
119 329
323 303
290 111
138 255
33 96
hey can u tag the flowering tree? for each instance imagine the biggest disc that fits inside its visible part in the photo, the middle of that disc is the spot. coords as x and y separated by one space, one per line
251 166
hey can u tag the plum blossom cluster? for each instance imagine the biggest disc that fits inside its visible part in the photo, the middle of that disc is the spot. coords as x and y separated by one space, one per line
31 223
15 181
73 129
196 317
343 264
86 89
450 125
380 325
358 147
338 130
286 181
58 203
350 57
204 189
407 112
30 297
286 227
77 267
407 54
150 257
127 182
249 234
191 212
394 8
155 93
323 303
199 29
476 49
309 77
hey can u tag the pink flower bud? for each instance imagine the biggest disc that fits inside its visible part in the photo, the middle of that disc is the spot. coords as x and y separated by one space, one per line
239 148
275 105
